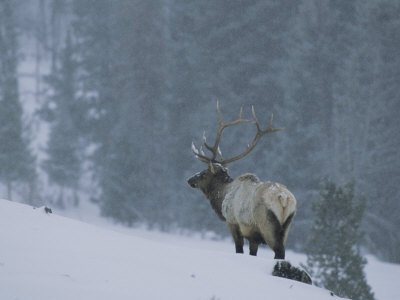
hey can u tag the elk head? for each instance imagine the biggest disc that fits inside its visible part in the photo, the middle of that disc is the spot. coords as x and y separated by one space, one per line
215 172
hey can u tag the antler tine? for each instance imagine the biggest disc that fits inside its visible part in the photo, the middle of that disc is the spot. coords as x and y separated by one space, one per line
255 119
197 153
205 142
270 122
219 113
220 153
270 128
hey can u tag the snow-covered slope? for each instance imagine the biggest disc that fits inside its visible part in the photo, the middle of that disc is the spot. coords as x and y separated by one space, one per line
45 256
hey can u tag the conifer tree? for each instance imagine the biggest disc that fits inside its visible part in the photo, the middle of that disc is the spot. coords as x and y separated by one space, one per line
333 253
63 164
16 161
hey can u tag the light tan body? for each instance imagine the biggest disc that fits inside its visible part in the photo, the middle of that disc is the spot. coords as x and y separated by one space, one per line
247 202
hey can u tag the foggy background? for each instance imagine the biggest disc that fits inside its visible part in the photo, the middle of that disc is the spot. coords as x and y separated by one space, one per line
100 100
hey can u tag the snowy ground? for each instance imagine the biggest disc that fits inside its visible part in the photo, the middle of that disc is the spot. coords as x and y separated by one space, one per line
46 256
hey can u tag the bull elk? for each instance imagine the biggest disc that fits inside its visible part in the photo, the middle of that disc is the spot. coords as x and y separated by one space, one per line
259 211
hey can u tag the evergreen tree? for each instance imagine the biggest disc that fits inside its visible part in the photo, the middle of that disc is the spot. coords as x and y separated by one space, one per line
16 161
381 164
63 164
333 253
124 87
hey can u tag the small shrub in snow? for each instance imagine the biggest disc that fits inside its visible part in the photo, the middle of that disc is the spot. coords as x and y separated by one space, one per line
286 270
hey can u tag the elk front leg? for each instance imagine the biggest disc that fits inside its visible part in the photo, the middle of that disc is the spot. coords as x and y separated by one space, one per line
237 237
253 248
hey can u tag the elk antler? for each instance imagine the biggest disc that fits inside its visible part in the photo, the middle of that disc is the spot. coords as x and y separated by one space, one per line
215 151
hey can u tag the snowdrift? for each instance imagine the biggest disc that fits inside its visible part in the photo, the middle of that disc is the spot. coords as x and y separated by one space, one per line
45 256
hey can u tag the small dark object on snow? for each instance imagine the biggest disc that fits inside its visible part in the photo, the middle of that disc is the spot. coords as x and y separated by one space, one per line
48 210
286 270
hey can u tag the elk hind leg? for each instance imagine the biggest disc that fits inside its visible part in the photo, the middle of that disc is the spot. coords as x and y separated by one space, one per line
273 234
237 237
286 226
280 234
255 238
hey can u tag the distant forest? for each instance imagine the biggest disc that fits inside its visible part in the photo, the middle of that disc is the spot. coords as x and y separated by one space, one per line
120 89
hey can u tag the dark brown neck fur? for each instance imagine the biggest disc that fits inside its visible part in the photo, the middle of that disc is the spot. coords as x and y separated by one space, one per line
215 192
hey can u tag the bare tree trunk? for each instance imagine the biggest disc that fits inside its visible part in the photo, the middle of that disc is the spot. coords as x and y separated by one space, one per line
9 190
60 200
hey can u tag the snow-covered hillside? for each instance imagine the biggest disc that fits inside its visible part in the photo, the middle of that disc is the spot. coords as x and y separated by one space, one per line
46 256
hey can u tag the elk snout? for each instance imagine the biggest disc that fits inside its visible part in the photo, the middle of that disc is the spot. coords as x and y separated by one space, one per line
192 181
